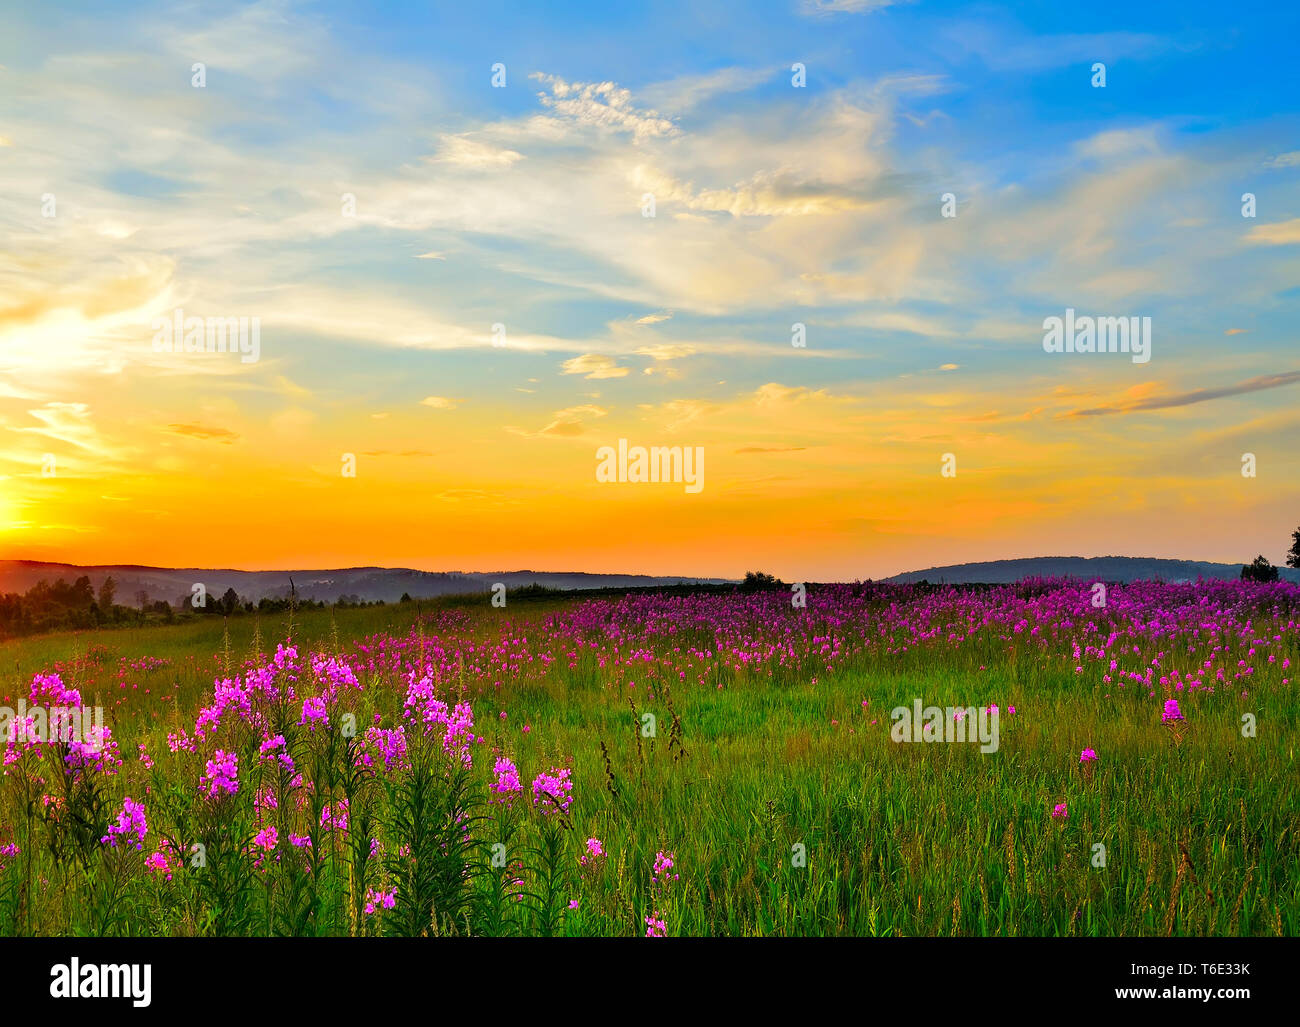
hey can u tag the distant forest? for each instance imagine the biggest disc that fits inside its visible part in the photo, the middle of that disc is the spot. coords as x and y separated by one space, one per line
62 607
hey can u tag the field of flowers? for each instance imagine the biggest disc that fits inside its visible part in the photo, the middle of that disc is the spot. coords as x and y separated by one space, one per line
666 765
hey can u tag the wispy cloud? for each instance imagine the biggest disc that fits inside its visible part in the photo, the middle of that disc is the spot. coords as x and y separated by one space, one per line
203 432
1182 399
594 365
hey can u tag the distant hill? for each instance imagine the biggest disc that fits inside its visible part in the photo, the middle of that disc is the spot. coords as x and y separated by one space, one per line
1107 568
364 583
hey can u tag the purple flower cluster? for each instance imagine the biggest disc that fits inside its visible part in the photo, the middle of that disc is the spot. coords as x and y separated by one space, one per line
376 900
222 775
130 821
314 713
276 749
552 790
389 745
506 782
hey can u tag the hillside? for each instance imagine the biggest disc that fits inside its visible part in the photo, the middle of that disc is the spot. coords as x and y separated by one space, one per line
1107 568
365 583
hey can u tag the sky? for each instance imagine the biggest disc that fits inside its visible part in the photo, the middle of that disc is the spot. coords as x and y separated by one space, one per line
437 216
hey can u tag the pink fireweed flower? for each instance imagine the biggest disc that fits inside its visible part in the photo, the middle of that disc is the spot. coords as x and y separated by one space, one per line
313 713
664 862
1060 812
388 744
267 838
376 900
100 754
229 694
506 785
655 927
335 818
457 723
222 775
276 749
552 791
144 758
1172 712
129 822
1088 756
573 903
160 862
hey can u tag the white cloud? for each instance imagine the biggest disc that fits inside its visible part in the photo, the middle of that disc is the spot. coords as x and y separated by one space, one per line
594 365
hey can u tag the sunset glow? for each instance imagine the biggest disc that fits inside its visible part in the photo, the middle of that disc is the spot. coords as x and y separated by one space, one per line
473 206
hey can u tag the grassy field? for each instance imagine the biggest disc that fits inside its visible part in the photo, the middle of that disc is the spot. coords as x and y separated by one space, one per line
731 756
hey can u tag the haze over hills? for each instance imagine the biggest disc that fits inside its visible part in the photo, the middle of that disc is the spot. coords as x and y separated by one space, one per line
1107 568
390 583
364 583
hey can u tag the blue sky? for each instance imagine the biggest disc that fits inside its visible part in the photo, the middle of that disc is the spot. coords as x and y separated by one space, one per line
522 206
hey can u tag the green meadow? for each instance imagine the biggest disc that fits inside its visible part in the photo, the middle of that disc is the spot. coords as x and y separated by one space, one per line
777 793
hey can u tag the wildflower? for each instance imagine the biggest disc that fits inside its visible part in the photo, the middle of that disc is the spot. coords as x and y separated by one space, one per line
336 817
1060 812
267 838
1088 756
129 821
11 849
268 751
595 851
664 862
1172 712
313 713
507 783
552 790
222 775
160 862
390 745
376 900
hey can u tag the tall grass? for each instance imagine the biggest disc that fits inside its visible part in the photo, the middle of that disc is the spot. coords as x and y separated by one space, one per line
776 788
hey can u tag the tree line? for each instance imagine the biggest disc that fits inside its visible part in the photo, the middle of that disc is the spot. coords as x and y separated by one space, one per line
71 607
1260 569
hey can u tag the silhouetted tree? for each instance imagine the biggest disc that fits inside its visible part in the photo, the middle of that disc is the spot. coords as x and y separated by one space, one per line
1259 570
1293 557
755 580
